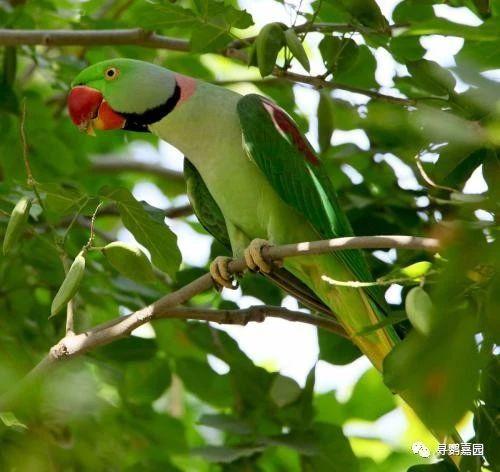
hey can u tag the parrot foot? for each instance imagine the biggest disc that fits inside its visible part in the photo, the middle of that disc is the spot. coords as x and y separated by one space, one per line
220 273
254 259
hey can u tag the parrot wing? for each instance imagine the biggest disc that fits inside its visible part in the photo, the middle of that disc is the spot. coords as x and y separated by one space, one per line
211 218
287 159
204 206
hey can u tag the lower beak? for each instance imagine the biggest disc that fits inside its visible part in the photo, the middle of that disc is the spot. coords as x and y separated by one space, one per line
107 118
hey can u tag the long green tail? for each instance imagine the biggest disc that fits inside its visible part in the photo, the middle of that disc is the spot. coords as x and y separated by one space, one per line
352 306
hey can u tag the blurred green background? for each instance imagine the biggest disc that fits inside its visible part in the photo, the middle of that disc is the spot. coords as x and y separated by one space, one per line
191 396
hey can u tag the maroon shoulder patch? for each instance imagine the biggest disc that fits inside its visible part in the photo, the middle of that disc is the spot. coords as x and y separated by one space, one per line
285 125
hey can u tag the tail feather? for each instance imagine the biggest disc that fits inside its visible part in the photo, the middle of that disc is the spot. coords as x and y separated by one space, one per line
355 309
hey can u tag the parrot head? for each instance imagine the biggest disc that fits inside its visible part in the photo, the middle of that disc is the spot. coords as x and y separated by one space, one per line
124 93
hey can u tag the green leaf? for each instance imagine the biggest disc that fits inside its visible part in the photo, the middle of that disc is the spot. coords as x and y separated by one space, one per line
129 260
284 390
420 310
210 25
329 410
488 31
145 381
268 44
361 73
60 200
167 15
416 270
9 102
490 382
226 454
371 386
442 466
305 404
155 236
9 66
430 76
10 420
437 374
339 55
332 452
487 427
336 349
203 382
227 423
413 10
407 48
132 348
367 12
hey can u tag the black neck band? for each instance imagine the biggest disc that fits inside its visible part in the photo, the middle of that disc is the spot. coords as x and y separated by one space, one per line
140 121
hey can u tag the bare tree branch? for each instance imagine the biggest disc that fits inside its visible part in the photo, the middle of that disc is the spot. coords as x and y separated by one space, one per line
110 166
170 212
137 36
105 333
179 211
319 83
140 37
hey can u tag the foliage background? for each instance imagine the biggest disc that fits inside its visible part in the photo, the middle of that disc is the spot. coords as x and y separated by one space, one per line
164 400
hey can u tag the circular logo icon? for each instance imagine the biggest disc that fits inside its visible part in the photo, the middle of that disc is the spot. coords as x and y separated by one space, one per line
421 449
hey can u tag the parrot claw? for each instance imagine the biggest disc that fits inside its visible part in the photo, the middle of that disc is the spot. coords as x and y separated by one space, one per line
220 273
254 259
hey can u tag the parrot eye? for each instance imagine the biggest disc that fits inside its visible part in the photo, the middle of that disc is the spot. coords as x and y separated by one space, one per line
111 73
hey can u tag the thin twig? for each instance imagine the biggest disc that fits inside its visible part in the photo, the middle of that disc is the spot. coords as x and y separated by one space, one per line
112 166
319 82
73 221
30 181
85 223
380 281
90 242
428 179
170 212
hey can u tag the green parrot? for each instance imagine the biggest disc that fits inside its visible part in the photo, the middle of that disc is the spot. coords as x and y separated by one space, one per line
253 180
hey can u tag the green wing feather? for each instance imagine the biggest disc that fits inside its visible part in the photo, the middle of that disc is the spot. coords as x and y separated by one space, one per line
204 206
211 218
284 155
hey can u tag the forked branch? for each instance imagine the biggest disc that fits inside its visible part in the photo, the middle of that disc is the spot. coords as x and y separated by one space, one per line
167 306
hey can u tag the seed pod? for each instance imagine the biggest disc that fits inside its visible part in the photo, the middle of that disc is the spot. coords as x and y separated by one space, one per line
70 285
17 222
267 45
296 48
129 260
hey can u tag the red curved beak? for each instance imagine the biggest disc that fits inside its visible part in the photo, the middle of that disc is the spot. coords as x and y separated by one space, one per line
88 110
83 104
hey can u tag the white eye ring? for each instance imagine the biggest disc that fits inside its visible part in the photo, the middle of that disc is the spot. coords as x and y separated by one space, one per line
111 73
